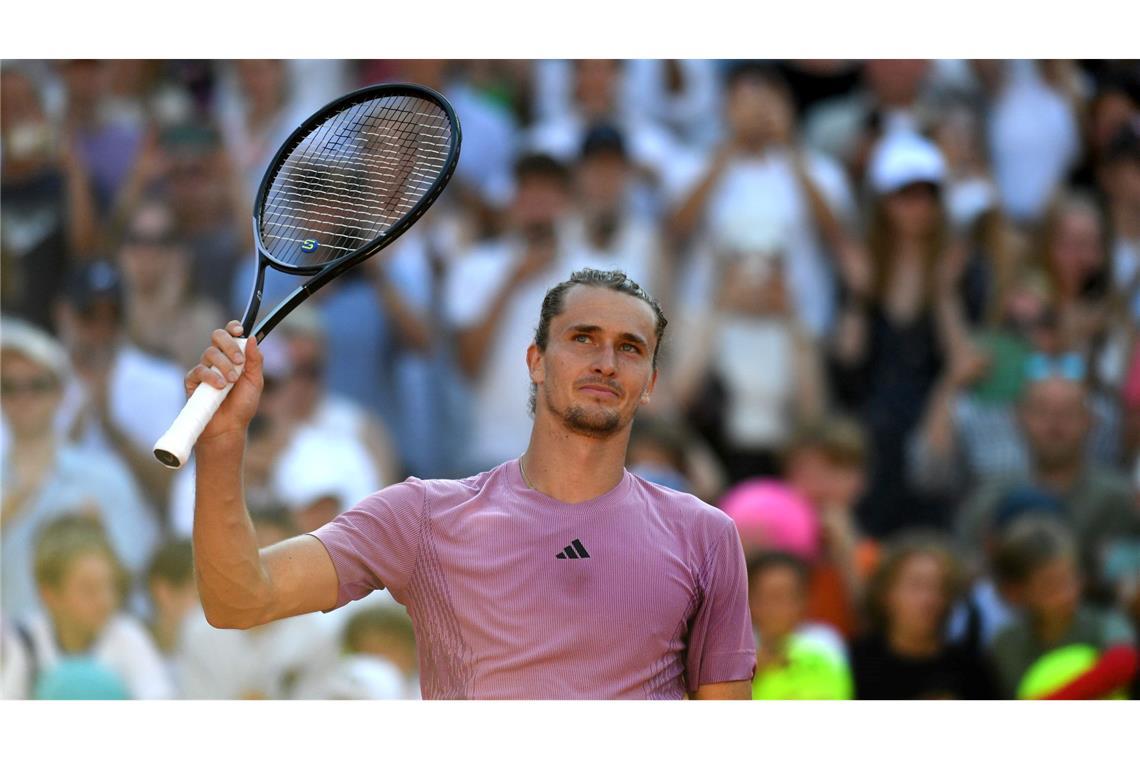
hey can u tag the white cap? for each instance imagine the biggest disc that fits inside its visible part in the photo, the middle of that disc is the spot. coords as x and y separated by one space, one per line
35 344
903 158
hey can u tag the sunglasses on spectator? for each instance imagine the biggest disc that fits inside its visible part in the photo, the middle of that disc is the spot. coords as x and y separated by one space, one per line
36 386
1070 366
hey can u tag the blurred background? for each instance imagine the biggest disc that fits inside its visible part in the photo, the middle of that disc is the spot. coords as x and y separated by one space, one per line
903 300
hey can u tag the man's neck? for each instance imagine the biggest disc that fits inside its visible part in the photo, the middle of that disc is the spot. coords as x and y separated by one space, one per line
572 467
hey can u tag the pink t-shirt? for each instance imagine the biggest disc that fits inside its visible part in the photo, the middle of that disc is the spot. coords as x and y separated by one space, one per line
640 593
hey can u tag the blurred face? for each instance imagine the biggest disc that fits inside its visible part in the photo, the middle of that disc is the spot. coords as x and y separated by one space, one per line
172 601
597 368
823 482
912 211
957 139
1123 183
87 595
29 395
1053 592
916 601
150 250
304 385
1077 253
776 599
84 81
1109 114
757 112
91 335
596 86
1055 420
895 82
602 181
539 203
262 82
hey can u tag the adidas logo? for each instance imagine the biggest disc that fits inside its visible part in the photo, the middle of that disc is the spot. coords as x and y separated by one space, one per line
574 551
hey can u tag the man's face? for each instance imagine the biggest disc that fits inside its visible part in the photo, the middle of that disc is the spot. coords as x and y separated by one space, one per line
87 595
598 365
1055 420
539 203
756 112
1053 591
595 89
146 253
602 181
29 394
823 482
776 598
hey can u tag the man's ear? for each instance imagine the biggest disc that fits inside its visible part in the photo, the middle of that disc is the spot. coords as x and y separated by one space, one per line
534 364
648 392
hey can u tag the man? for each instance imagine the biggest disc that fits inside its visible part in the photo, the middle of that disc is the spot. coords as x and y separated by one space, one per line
1097 501
555 575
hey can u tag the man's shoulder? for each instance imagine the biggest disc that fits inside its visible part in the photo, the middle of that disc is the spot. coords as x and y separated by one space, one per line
680 506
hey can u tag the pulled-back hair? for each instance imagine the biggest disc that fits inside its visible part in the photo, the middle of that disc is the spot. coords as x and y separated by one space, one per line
615 280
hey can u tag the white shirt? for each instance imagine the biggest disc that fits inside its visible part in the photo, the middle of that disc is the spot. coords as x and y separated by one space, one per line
769 182
1033 139
146 393
272 661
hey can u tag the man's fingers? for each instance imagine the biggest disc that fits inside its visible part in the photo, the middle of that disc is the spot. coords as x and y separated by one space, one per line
225 342
222 362
203 374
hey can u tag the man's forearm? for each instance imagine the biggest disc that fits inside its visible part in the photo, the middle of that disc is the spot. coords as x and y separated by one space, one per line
232 581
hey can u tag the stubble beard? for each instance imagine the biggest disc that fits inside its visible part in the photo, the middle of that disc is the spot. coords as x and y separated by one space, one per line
600 424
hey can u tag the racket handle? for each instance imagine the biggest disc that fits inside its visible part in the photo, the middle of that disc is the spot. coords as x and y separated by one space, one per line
175 445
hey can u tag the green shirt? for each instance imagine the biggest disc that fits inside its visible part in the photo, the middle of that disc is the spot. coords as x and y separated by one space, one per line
812 671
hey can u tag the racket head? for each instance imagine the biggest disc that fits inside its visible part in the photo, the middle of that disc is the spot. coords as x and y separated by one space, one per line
354 176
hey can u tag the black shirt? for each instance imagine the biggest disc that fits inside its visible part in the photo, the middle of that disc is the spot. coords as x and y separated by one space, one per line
954 673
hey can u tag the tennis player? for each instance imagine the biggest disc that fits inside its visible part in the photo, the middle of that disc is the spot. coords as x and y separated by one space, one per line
556 575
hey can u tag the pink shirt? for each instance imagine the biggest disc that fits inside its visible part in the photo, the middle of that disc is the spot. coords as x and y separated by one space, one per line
640 593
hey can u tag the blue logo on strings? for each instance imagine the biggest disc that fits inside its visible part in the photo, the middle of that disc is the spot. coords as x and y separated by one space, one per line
310 245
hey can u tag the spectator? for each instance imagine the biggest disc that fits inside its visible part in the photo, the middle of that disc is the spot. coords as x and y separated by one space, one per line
595 100
827 463
759 169
1037 563
162 316
81 585
120 398
45 476
48 212
173 599
606 228
905 654
666 452
793 660
1098 502
493 292
1121 184
900 312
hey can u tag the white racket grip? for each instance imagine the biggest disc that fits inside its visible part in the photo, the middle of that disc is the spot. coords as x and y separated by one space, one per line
175 445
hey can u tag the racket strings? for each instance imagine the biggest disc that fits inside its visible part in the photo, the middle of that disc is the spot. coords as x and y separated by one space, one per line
354 176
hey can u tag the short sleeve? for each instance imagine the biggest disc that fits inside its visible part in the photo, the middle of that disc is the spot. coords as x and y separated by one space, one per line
721 644
375 544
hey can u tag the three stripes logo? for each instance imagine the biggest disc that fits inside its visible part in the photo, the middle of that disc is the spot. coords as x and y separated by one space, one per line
574 551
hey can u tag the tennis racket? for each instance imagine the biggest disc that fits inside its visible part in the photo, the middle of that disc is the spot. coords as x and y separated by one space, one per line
349 181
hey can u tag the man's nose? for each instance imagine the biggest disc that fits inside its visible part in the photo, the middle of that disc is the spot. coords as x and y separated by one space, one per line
605 360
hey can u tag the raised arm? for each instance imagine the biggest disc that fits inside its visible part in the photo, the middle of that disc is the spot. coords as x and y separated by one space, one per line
240 585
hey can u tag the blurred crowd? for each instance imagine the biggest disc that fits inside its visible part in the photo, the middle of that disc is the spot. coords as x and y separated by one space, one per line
903 303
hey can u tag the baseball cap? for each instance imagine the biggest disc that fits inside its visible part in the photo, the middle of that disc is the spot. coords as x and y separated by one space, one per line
905 158
603 139
35 344
94 282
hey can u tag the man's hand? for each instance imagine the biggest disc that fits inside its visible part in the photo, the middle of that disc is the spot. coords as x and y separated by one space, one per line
224 359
